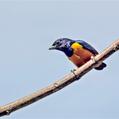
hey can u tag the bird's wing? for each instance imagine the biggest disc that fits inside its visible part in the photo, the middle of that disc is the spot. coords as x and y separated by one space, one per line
87 46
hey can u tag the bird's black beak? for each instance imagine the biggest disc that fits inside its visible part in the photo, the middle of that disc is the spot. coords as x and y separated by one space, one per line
52 48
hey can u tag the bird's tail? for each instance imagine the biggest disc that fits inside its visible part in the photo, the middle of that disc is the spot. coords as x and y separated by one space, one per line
102 66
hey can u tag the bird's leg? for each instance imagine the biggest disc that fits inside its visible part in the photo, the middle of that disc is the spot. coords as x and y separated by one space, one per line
93 59
76 76
97 64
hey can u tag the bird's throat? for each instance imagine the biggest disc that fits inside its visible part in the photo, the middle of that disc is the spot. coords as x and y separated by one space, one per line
68 52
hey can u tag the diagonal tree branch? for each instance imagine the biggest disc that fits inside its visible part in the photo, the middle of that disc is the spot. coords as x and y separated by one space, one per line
59 84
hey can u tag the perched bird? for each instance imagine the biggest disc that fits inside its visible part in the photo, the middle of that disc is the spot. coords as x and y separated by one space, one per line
78 51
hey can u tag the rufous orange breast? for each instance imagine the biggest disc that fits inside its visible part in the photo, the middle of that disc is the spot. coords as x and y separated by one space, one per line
80 55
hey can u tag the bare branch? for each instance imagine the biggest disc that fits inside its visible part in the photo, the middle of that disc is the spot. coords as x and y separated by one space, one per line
59 84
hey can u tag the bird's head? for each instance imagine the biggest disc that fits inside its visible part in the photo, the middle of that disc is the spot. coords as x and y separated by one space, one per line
61 44
64 45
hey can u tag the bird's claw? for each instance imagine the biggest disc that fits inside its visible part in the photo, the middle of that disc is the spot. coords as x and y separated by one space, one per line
76 76
93 59
97 64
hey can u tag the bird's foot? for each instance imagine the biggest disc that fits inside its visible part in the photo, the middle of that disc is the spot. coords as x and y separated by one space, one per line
97 64
75 75
93 59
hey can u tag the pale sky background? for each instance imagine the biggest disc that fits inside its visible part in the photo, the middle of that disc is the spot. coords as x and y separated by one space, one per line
27 29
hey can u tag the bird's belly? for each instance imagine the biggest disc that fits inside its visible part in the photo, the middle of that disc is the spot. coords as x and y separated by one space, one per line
77 60
81 57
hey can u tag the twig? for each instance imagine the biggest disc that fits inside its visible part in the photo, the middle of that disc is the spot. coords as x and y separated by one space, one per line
59 84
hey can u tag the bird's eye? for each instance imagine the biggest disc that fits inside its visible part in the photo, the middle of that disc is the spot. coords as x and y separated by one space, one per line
58 43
